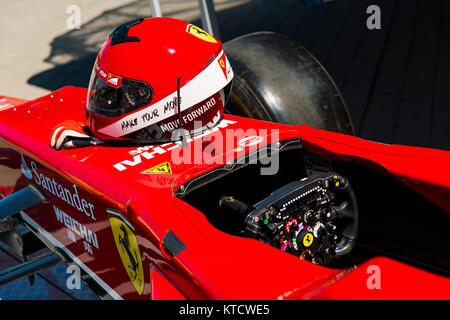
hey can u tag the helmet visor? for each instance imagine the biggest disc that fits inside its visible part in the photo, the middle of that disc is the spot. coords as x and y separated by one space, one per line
113 96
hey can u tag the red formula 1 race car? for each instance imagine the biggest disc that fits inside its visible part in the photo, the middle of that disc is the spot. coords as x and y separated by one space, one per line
275 199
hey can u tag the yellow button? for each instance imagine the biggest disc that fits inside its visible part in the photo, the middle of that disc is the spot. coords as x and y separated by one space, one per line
308 239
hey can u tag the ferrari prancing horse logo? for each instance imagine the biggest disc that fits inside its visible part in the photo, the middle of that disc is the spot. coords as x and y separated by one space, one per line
128 248
200 33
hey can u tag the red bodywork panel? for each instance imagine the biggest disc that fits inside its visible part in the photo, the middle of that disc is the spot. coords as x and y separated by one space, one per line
216 265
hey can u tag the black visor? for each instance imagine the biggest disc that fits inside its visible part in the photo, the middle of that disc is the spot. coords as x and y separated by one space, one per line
109 101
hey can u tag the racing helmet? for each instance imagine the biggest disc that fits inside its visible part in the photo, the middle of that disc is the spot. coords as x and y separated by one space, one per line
155 76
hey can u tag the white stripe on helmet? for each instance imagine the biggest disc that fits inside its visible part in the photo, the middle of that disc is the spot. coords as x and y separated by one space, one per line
208 82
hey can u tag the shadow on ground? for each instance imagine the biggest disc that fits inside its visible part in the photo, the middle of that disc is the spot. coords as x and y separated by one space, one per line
73 53
395 80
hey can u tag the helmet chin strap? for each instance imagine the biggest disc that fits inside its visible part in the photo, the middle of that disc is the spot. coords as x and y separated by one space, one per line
179 103
180 132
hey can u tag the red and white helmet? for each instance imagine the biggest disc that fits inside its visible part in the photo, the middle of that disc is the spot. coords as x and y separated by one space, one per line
133 91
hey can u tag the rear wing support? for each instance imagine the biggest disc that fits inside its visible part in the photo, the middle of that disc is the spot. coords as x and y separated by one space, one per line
209 18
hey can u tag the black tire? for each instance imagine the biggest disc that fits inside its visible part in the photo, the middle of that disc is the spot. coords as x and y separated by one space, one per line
277 80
